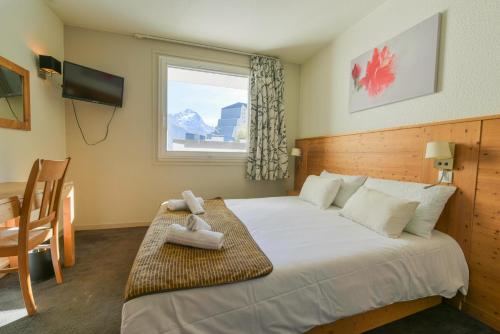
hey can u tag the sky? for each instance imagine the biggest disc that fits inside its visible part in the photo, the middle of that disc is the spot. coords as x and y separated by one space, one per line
206 100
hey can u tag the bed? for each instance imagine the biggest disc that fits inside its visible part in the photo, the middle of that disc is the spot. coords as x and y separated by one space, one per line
326 267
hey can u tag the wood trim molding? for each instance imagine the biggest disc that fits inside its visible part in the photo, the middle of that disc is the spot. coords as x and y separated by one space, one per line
106 226
403 127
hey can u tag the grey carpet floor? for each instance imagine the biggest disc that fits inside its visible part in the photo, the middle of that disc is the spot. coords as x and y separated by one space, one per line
90 299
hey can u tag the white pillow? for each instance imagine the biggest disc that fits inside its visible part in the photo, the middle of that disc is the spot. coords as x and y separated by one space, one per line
432 201
382 213
350 184
320 191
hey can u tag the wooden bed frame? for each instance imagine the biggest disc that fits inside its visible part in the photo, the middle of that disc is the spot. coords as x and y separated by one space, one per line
363 322
471 217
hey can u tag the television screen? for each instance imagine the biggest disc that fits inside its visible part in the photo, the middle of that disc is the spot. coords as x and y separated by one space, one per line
11 83
83 83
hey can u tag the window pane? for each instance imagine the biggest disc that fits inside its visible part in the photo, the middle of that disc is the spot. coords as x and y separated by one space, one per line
207 112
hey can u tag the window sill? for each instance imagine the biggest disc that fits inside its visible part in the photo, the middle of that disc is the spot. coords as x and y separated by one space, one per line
202 159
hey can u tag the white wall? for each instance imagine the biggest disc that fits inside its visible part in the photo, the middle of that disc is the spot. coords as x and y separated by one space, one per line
468 79
119 181
29 28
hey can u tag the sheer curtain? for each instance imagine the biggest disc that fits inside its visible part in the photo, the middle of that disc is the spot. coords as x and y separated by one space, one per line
267 154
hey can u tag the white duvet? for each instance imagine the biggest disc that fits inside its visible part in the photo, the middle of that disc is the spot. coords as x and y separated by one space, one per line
326 267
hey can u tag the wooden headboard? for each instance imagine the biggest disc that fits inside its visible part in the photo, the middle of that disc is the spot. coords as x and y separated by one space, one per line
472 216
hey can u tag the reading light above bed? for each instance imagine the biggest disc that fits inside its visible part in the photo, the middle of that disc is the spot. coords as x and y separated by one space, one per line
296 152
442 152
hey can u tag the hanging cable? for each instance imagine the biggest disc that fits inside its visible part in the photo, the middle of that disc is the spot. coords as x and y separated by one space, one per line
435 184
81 130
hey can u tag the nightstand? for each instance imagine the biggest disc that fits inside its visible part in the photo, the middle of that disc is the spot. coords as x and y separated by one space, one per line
293 193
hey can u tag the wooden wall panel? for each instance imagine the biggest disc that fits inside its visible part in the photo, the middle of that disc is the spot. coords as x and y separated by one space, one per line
456 219
484 297
472 216
393 154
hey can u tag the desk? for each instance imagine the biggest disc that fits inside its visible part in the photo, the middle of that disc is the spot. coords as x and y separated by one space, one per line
9 209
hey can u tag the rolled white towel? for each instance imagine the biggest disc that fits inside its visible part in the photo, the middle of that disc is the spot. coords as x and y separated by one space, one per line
192 203
180 204
178 234
195 223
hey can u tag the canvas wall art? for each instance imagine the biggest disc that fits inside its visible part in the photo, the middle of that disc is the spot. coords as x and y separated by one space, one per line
402 68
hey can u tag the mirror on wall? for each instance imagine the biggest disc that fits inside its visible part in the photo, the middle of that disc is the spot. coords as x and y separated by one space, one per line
14 96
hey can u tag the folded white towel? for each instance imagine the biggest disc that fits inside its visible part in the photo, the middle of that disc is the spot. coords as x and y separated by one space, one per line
178 234
180 204
195 223
192 203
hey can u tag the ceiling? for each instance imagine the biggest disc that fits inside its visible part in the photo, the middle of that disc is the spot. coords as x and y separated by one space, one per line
291 29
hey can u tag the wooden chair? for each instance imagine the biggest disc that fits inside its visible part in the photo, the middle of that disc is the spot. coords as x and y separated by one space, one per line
28 233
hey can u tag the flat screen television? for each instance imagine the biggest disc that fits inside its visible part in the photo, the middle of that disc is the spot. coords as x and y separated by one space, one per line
87 84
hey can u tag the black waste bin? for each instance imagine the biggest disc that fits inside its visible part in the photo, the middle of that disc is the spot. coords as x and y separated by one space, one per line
40 264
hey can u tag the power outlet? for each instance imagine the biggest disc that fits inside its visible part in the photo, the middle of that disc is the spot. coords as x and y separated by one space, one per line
445 176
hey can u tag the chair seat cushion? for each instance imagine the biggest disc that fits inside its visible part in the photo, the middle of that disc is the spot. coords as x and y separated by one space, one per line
9 239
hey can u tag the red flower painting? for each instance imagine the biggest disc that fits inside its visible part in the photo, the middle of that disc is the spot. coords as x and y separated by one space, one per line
401 68
379 72
356 71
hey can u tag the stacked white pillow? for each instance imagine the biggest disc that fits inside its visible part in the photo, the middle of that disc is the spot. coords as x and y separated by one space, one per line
385 206
432 201
320 191
350 184
382 213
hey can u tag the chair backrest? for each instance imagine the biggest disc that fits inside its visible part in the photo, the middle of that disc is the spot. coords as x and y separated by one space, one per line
51 173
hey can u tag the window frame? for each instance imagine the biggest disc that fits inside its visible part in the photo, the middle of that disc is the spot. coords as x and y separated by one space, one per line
197 157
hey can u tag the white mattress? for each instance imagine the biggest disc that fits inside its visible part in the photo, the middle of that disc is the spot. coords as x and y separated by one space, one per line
326 267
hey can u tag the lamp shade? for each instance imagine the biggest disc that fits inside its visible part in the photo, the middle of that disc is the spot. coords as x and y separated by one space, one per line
296 152
49 64
438 150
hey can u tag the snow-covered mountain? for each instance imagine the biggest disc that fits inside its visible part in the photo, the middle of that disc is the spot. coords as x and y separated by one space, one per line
190 121
187 121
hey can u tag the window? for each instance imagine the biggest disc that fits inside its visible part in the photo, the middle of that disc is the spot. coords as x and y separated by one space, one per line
203 108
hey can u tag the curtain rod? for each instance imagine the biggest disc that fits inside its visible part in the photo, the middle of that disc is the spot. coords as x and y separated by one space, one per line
211 47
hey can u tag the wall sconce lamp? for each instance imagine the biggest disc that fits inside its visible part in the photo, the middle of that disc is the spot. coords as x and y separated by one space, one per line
48 65
296 152
442 152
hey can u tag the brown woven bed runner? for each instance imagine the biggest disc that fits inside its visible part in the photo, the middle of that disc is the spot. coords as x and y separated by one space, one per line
161 267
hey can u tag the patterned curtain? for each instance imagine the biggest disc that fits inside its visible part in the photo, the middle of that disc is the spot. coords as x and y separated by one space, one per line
267 154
